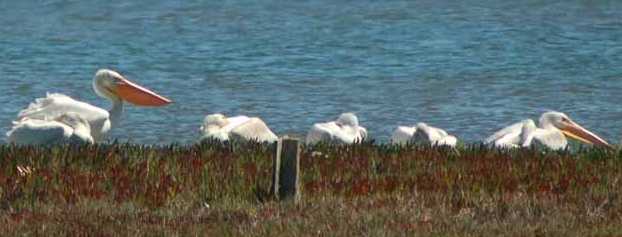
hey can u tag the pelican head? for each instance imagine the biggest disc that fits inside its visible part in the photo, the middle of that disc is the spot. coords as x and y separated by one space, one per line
349 125
571 129
347 119
428 133
422 126
218 120
213 125
112 86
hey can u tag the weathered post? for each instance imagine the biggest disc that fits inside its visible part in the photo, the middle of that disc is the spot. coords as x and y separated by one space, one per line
286 169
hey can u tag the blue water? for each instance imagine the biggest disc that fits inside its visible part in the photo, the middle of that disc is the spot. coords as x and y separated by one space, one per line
470 67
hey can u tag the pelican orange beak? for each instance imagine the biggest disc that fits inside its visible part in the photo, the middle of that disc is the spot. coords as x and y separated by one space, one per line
574 130
137 94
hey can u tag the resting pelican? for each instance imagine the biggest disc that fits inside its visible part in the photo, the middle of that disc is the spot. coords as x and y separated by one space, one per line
345 130
238 128
550 132
424 134
107 84
67 128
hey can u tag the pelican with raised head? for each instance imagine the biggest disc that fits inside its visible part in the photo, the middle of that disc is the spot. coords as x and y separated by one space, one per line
552 129
238 128
107 84
422 134
344 130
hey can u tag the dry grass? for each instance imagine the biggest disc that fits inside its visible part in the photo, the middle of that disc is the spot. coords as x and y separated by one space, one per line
213 189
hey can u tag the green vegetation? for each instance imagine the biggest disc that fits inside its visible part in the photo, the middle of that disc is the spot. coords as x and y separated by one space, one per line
214 189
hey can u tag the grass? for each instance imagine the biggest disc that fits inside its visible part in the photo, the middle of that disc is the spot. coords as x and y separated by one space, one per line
214 189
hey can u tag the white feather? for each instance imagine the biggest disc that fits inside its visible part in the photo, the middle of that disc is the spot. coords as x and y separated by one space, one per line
423 134
67 128
239 128
344 130
54 105
253 129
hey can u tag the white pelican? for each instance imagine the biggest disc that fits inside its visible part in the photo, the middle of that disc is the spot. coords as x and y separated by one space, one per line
67 128
345 130
238 128
550 132
107 84
424 134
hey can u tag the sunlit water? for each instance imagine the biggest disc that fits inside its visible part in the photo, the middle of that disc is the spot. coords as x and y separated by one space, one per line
469 67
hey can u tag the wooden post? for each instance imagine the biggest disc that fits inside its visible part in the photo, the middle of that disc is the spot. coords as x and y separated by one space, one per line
286 169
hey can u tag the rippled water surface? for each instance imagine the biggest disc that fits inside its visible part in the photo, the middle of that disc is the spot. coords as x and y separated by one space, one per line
470 67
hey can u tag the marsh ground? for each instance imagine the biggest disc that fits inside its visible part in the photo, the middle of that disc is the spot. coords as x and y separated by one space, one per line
213 189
